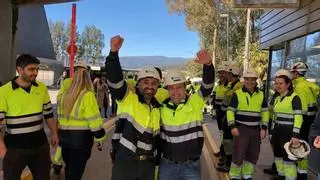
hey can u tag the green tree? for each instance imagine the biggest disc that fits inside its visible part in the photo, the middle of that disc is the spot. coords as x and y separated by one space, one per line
58 36
203 17
193 69
92 43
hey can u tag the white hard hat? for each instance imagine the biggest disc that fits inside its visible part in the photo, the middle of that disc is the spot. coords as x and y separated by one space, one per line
234 70
80 63
222 67
301 67
283 72
148 72
250 72
130 74
174 76
296 153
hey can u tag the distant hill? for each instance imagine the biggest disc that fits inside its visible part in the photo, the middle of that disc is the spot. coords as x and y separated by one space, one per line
147 61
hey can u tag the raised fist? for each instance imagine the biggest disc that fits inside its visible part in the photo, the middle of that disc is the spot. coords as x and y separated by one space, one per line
203 57
116 43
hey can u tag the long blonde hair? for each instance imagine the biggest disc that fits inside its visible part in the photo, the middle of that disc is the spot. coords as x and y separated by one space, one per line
81 82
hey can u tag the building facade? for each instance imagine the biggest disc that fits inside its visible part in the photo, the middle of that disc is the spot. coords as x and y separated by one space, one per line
293 35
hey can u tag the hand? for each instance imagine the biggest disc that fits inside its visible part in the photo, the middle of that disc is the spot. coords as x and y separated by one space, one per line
235 132
3 151
316 142
262 134
203 57
54 140
116 43
295 142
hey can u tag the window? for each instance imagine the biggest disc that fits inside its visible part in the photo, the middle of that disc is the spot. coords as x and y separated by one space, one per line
313 41
277 57
313 74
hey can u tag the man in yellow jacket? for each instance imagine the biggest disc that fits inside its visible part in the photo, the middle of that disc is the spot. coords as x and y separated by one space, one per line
308 93
138 120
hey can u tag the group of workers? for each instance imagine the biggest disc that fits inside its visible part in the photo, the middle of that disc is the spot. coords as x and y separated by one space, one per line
158 128
243 116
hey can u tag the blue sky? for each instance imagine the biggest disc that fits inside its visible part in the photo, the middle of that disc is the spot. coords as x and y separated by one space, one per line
146 25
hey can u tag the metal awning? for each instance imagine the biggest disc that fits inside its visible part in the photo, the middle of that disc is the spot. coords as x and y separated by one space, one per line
24 2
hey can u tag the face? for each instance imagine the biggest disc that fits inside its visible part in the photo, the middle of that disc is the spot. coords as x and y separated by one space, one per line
148 87
177 92
250 83
281 86
29 73
222 75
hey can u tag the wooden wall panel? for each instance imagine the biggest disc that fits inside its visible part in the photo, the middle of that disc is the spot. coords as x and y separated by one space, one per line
284 24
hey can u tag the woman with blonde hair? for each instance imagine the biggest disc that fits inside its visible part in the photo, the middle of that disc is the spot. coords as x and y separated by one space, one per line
80 123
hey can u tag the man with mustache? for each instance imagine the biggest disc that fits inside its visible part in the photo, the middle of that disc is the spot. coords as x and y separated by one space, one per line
138 120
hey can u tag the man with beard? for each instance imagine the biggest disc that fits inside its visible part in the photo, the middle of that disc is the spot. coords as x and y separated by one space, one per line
138 120
24 104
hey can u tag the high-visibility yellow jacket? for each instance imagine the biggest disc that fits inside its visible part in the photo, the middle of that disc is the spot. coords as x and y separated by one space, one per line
162 94
84 121
288 111
137 123
23 111
308 93
232 87
247 108
219 94
181 124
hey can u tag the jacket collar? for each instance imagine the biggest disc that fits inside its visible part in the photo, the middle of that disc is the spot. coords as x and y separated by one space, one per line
16 85
299 79
244 89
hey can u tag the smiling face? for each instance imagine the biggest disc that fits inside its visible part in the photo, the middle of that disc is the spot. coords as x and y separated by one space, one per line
250 83
177 92
29 73
148 87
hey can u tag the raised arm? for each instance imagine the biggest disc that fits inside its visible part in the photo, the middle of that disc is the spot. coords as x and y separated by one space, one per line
203 57
114 76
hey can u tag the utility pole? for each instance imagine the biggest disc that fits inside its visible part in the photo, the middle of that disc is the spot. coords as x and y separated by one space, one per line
246 51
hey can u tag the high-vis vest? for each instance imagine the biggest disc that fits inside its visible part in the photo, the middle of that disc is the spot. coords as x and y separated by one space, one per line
287 111
219 92
64 87
250 110
24 112
138 124
85 115
308 95
232 87
181 128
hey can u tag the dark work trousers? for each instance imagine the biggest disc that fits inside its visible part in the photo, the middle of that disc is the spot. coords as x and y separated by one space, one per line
37 159
219 117
246 146
305 127
280 135
75 160
133 170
